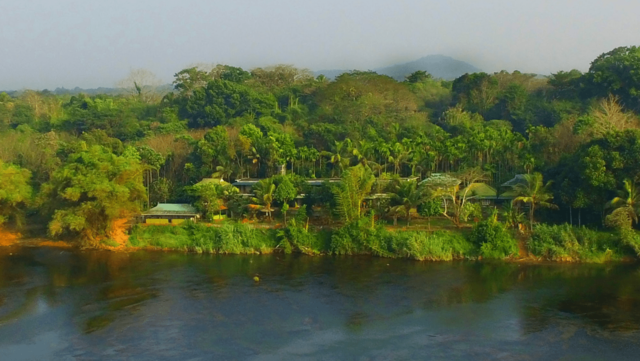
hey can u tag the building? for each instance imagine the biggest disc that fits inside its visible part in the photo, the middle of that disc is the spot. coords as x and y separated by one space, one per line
211 181
170 213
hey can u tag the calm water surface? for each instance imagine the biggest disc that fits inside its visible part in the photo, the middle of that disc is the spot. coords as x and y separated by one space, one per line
73 305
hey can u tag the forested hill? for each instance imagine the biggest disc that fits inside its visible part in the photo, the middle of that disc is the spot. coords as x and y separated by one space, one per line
440 66
79 162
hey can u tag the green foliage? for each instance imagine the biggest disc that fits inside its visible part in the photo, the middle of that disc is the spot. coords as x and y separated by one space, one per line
209 198
566 243
617 72
430 208
471 211
231 238
220 101
297 238
90 191
493 239
438 246
408 195
349 194
534 192
15 191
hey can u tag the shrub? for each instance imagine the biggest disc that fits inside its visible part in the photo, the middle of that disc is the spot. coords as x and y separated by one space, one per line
567 243
493 239
438 246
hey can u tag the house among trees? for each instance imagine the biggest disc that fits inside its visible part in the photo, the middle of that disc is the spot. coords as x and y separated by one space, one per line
510 193
211 181
170 213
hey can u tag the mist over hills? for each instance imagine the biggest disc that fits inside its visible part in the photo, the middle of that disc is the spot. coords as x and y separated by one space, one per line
440 66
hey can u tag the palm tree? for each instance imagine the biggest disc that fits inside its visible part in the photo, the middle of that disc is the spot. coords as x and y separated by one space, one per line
223 171
340 158
264 195
626 205
409 195
535 192
350 193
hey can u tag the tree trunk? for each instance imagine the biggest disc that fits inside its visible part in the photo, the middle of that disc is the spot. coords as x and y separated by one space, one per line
531 215
571 215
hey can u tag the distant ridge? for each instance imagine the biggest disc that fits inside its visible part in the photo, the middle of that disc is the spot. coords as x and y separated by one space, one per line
440 66
166 88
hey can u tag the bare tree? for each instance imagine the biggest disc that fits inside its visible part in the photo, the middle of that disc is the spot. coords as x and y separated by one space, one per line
143 84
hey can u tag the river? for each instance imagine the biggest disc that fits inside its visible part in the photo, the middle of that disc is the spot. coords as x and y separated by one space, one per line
60 304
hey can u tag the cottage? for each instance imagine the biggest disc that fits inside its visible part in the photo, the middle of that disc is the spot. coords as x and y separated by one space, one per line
170 213
211 181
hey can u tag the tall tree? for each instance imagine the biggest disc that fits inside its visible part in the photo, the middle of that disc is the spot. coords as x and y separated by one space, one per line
617 72
285 193
535 193
264 194
354 186
626 206
408 195
15 191
91 191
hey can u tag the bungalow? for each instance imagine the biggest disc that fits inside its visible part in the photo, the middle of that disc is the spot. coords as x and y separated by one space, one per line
486 194
211 181
170 213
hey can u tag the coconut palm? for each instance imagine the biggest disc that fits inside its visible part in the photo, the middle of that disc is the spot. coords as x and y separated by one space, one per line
626 206
534 192
409 195
223 171
339 156
264 191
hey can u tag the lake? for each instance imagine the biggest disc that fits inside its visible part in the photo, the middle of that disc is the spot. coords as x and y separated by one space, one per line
61 304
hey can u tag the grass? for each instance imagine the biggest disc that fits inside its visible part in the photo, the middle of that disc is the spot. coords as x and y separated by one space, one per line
489 240
581 244
236 238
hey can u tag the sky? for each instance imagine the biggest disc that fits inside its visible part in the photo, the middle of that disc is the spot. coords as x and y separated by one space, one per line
88 43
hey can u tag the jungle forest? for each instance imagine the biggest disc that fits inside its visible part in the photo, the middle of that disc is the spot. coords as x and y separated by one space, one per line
399 164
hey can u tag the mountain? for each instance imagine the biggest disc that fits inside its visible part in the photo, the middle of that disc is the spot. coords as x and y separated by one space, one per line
440 66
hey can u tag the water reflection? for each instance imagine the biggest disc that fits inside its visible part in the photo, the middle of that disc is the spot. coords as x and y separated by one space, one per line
155 305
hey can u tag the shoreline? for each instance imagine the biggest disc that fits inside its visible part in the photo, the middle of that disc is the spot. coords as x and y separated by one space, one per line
48 243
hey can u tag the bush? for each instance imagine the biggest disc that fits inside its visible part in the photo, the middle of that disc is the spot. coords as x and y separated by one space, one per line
438 246
233 238
493 239
357 237
296 238
567 243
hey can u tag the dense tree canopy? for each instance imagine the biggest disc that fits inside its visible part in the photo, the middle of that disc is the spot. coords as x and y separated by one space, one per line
94 158
92 189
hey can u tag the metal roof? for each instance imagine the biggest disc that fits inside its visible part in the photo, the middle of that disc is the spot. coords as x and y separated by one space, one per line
172 209
211 180
518 179
479 191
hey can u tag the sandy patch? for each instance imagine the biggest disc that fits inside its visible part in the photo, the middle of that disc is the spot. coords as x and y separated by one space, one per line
8 238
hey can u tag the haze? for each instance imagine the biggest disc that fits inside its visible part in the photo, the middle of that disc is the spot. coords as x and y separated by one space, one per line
69 43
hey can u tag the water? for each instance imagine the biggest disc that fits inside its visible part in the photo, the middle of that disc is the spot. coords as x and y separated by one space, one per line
73 305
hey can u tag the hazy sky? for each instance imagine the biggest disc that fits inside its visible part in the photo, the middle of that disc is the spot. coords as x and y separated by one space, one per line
90 43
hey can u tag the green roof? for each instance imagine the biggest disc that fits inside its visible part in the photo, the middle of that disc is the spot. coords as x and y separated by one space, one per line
442 180
211 180
480 190
509 194
172 208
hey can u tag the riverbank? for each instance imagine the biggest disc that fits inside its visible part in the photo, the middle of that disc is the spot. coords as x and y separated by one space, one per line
487 240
